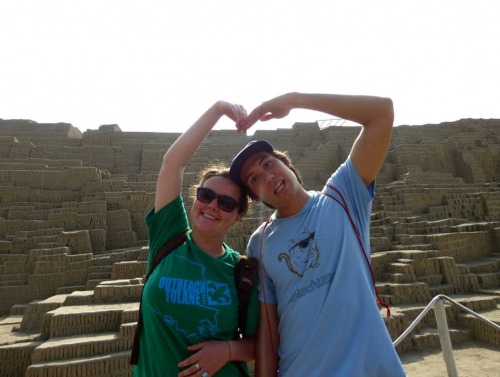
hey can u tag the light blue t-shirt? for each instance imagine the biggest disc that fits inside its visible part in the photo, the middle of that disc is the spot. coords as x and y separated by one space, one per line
315 270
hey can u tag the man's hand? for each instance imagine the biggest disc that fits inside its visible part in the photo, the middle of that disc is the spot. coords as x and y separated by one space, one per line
275 108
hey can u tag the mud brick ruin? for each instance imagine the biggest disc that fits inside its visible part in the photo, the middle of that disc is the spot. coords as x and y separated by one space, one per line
73 243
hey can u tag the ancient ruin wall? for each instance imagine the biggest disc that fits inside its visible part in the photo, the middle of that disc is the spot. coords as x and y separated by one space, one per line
72 209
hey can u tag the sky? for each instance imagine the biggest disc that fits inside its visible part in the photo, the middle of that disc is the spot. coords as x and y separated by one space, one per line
155 66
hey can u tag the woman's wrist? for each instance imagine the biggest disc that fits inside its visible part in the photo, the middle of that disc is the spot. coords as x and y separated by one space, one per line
219 107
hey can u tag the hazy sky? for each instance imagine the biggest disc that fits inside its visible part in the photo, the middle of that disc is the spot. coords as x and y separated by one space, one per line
155 66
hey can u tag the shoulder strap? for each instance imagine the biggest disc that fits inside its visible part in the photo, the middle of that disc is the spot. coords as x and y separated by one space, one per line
245 273
170 246
343 204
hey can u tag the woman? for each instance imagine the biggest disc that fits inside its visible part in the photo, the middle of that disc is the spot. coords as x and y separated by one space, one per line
190 303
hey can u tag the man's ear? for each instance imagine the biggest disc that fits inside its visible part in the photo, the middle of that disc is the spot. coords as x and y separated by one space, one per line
252 196
255 199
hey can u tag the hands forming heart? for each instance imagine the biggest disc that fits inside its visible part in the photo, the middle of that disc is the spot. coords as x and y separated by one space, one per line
275 108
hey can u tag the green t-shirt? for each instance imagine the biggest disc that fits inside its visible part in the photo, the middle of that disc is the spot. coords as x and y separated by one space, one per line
189 298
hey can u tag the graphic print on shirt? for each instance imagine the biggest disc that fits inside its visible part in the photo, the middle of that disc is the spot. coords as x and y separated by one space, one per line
303 253
189 298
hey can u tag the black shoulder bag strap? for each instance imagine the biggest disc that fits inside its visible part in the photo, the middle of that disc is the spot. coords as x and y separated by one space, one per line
245 273
170 246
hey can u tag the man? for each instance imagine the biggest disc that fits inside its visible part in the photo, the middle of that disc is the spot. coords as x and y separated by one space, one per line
319 315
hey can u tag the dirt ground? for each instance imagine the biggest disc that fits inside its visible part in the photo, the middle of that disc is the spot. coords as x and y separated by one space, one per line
471 359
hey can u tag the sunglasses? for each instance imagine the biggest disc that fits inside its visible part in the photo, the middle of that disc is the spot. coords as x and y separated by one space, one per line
305 242
225 202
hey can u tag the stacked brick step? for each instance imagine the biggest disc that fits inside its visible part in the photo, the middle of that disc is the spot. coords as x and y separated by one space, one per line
408 279
90 339
73 239
462 325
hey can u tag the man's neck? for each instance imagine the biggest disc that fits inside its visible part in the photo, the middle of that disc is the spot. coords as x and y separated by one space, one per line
294 205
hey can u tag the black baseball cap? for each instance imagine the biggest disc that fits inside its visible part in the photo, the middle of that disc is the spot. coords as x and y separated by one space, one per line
248 151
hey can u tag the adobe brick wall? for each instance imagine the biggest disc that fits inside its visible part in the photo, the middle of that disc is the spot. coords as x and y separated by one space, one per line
73 243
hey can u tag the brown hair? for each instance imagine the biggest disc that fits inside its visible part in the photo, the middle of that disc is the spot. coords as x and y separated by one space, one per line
285 158
222 170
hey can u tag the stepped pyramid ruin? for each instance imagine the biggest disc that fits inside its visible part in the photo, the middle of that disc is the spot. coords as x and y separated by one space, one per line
73 243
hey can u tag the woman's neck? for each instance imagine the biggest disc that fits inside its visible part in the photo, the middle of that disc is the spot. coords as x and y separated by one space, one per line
213 246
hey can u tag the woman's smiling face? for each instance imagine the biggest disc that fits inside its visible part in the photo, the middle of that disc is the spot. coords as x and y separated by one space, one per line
208 217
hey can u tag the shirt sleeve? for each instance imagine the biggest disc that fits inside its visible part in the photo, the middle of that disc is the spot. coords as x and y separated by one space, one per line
346 185
165 224
267 293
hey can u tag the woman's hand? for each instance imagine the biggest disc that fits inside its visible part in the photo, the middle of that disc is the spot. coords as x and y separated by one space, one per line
208 357
233 111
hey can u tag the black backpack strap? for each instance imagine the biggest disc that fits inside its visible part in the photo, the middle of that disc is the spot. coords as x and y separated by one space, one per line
170 246
245 273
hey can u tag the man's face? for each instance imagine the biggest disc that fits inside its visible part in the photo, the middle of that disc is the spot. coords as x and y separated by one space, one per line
269 178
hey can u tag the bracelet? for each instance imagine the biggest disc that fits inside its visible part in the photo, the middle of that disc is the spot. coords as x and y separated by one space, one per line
229 349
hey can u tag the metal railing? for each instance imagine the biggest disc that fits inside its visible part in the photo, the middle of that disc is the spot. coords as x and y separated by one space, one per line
442 325
323 123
